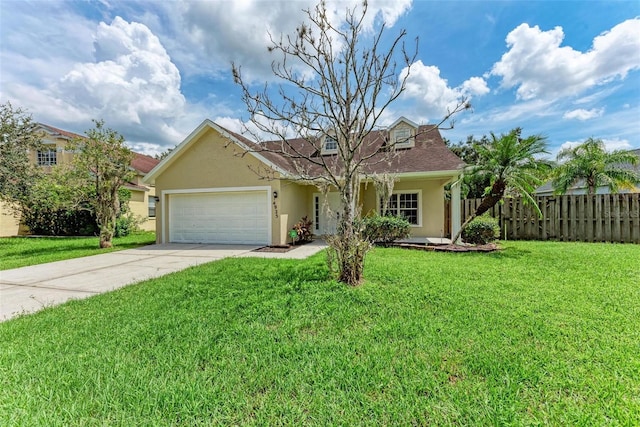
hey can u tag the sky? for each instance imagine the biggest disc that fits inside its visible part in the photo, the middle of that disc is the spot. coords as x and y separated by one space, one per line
154 70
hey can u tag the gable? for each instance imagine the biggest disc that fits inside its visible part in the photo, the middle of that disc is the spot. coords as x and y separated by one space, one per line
402 133
209 159
215 147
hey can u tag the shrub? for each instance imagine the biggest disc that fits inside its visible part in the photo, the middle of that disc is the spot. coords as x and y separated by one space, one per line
126 224
60 222
481 230
385 229
302 230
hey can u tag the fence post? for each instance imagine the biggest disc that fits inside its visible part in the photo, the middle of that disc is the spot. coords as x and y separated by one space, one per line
635 217
598 217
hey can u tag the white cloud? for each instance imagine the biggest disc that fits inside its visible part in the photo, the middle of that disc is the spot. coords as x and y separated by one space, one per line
517 112
390 10
147 148
582 114
610 144
433 93
132 81
569 144
616 144
230 123
132 84
218 33
249 129
598 96
34 52
475 86
540 68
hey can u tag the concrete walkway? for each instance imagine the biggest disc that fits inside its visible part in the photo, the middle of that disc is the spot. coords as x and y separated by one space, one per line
29 289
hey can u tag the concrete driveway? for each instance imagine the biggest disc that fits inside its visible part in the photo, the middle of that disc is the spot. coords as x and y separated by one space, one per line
29 289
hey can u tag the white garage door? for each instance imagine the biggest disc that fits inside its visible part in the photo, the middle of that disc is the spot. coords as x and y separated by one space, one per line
225 217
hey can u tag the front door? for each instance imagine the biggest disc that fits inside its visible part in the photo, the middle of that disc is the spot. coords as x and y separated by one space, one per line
327 212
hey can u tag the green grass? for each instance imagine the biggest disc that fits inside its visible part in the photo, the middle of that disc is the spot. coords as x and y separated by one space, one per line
538 334
22 251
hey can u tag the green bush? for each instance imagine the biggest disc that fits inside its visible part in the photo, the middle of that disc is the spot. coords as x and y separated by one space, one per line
60 222
126 224
481 230
385 229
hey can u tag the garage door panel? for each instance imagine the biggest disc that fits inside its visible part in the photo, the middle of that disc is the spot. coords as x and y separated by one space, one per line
224 217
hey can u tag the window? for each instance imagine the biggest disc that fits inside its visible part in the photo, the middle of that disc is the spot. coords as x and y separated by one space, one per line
47 158
152 207
402 137
406 205
330 145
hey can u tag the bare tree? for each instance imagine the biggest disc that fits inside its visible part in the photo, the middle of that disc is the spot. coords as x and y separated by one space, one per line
336 82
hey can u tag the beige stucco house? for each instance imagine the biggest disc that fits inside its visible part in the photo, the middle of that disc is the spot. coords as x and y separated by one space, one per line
55 142
219 187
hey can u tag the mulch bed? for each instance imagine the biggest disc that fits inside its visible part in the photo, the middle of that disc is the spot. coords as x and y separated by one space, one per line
279 248
489 247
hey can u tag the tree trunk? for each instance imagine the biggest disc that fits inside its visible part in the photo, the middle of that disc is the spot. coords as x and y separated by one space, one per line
106 218
591 186
488 201
105 240
348 246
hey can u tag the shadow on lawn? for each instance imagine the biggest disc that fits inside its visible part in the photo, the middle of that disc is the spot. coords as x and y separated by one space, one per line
21 251
510 253
90 247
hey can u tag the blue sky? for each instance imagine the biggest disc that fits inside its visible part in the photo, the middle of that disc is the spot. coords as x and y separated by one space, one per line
154 70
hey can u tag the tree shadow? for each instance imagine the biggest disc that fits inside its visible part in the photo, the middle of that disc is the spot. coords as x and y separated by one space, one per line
511 253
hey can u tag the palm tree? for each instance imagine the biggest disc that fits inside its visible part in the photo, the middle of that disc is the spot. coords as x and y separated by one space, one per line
590 162
512 164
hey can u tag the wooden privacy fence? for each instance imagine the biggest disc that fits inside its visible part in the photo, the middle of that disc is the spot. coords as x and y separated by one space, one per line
599 218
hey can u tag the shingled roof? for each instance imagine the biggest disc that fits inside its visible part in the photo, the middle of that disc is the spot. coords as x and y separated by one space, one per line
143 163
429 154
59 132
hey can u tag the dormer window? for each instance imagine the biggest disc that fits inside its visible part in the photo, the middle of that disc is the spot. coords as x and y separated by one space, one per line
330 145
402 133
402 137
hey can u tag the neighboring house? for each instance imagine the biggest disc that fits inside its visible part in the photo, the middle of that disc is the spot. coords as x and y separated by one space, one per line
580 187
55 153
209 193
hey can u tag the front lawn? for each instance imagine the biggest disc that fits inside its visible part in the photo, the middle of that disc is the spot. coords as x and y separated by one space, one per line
538 334
22 251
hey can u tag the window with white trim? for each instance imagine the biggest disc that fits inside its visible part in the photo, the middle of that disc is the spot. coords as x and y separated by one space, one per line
402 137
406 205
47 157
152 207
330 145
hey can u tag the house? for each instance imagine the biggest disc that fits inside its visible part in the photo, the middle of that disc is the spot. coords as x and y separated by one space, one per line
212 188
54 152
580 187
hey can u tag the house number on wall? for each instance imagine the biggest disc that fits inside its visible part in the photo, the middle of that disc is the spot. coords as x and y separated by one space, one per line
275 209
